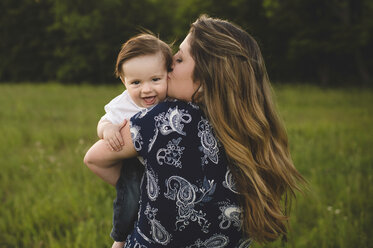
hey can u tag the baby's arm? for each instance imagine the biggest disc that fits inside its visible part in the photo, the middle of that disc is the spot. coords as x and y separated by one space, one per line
110 132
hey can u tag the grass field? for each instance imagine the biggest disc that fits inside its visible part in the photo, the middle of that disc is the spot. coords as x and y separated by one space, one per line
50 199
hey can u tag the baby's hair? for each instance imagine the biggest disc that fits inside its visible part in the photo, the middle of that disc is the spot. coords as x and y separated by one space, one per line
140 45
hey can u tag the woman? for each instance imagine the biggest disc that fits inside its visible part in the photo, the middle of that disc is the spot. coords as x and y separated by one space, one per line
217 160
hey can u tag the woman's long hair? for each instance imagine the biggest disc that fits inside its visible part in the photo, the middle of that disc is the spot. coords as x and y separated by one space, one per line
235 94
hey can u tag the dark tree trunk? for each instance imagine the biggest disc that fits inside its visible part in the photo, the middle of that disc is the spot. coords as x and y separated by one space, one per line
361 68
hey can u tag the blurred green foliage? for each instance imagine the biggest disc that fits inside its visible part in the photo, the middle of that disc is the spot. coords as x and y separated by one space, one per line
329 42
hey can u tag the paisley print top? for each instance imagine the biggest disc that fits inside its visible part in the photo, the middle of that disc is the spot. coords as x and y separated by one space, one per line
188 195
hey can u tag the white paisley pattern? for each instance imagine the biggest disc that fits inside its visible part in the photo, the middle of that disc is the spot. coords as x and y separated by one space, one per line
158 232
152 184
230 214
216 241
169 122
193 105
138 245
171 154
245 243
208 142
143 235
185 194
229 182
128 242
136 137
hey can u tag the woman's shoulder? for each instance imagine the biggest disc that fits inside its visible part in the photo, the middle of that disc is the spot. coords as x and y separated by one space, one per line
169 106
172 103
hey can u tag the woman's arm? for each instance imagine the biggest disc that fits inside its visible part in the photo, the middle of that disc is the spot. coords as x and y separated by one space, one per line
106 163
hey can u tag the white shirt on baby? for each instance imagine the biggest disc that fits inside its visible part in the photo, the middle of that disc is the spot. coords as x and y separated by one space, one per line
120 108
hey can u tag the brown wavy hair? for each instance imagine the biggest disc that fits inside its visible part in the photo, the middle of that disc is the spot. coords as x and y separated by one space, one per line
235 94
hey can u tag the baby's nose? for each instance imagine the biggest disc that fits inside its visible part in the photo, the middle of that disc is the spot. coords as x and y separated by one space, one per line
146 87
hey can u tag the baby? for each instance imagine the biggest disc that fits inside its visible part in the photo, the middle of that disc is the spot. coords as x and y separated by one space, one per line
142 66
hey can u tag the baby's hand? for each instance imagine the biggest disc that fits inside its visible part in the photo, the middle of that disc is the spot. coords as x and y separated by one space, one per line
118 244
112 136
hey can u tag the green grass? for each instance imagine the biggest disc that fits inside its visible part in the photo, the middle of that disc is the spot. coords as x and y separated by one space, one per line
50 199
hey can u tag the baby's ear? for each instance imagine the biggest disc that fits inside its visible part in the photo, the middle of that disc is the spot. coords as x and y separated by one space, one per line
122 79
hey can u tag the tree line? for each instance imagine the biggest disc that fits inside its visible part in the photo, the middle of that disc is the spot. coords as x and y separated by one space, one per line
74 41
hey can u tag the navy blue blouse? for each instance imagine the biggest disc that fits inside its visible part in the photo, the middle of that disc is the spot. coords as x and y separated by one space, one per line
188 196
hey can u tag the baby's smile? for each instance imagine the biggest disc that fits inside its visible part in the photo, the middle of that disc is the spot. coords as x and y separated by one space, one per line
149 100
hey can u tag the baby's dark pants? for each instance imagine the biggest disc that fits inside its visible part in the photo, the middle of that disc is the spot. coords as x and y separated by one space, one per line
126 203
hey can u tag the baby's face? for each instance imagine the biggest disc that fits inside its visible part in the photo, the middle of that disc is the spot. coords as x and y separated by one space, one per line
145 78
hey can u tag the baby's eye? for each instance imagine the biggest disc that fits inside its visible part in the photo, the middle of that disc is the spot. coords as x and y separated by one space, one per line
156 79
135 82
179 60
